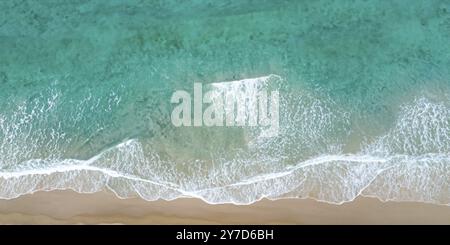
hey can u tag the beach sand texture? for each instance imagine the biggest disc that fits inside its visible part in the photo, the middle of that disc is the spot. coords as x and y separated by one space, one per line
67 207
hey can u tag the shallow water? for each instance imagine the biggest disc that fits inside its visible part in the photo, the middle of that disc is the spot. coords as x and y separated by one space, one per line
364 99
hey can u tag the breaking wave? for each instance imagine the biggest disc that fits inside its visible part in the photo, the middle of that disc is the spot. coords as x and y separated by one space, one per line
409 162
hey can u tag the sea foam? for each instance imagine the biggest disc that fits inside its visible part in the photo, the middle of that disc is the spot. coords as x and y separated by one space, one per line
410 162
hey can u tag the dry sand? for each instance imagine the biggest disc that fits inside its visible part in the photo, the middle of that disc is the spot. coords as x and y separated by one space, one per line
67 207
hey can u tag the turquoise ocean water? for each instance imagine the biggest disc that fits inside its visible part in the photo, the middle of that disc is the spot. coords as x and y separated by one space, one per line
85 90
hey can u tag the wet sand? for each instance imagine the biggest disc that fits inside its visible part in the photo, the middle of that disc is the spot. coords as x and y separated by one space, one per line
68 207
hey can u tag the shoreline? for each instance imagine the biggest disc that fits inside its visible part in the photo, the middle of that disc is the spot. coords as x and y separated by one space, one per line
69 207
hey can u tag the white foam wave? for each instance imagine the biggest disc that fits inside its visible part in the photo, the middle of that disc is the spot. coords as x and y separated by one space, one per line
411 162
341 177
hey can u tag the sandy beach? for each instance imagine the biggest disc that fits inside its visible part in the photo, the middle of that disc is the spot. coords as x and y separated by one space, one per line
68 207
